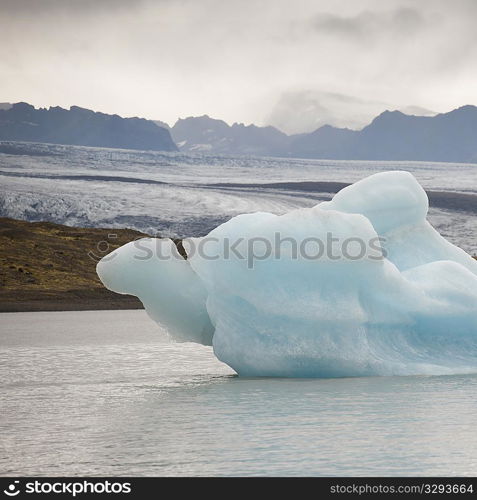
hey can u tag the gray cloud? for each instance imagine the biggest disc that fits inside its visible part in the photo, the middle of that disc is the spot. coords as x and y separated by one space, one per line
368 25
306 110
293 64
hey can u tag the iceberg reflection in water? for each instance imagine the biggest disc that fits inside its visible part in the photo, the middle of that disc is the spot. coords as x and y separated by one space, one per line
105 393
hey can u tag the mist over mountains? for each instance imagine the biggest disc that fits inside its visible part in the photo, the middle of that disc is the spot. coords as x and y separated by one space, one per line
392 135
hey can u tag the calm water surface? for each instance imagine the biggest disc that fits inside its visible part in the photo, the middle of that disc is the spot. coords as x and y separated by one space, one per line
105 393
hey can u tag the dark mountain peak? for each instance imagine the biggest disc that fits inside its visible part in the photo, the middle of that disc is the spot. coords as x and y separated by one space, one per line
162 124
242 126
392 112
203 133
389 115
22 106
324 129
271 127
202 118
390 119
198 125
255 129
394 135
329 130
468 109
82 127
78 109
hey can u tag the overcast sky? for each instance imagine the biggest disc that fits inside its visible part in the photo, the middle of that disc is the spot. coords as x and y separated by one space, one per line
295 64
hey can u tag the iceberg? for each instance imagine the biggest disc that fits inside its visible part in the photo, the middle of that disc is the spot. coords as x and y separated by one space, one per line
361 285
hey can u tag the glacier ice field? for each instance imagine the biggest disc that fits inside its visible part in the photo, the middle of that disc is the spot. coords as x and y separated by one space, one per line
405 307
182 195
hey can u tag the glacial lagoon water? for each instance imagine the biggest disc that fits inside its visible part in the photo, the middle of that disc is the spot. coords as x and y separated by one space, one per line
106 393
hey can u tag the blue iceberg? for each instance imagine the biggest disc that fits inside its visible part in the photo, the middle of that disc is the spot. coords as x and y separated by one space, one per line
361 285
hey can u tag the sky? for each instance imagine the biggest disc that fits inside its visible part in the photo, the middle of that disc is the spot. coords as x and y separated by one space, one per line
294 64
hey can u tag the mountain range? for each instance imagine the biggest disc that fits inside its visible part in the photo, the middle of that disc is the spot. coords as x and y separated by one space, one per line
204 134
393 135
82 127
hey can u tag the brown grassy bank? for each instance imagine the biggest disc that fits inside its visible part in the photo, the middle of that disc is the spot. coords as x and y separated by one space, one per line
51 267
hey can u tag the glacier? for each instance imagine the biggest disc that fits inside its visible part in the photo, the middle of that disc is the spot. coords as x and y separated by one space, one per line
390 296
